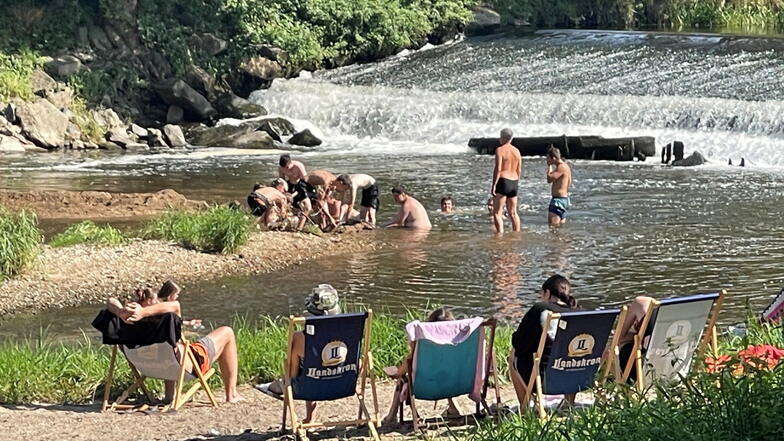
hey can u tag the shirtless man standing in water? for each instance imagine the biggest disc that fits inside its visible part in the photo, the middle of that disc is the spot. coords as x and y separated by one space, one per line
506 176
560 175
412 214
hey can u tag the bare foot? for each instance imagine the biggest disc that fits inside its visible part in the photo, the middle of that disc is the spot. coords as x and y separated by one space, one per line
236 398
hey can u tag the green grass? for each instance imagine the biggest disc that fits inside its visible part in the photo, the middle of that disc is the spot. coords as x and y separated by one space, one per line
15 70
87 232
216 230
20 241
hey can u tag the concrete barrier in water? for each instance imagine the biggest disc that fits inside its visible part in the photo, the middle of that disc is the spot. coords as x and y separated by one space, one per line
576 147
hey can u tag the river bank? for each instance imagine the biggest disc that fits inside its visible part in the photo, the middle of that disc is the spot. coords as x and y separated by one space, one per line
84 274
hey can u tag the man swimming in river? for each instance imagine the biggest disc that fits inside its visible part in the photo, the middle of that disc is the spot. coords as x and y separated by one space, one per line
560 175
506 176
294 172
350 186
412 214
447 205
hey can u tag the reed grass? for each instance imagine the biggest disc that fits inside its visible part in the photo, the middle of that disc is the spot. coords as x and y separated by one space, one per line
20 241
87 232
216 230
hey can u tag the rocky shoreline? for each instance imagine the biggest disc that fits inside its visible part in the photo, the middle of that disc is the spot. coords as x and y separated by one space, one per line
84 274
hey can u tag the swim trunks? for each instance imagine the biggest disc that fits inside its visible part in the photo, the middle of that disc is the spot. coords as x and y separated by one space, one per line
204 351
370 197
506 187
302 191
558 206
256 208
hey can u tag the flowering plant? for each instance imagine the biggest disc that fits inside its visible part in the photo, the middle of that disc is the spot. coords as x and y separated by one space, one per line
764 357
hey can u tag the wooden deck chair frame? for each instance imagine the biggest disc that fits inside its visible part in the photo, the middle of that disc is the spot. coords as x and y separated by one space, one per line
709 337
179 399
491 369
365 374
534 383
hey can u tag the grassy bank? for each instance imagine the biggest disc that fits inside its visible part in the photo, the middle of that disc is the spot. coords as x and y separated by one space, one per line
216 230
20 242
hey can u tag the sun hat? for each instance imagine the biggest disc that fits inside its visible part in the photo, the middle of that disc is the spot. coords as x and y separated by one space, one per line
323 300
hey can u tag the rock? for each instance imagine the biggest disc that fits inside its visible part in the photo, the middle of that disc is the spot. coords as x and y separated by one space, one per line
9 113
173 134
485 21
43 124
156 138
209 43
63 66
201 81
232 106
108 145
262 68
305 138
139 131
107 118
178 93
175 115
695 158
273 53
241 136
276 127
135 146
10 144
119 136
62 99
98 39
42 82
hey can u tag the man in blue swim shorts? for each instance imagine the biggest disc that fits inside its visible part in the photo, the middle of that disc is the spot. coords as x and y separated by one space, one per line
560 175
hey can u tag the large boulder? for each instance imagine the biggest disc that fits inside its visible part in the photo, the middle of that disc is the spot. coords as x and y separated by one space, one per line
252 140
107 118
209 43
63 66
201 81
232 106
239 136
261 67
305 138
484 21
156 138
42 82
276 124
11 144
43 124
176 92
695 158
175 115
62 98
119 136
173 134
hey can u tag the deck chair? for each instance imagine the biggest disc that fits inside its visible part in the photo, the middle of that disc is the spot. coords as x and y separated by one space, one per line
575 354
673 333
441 369
149 348
337 364
775 310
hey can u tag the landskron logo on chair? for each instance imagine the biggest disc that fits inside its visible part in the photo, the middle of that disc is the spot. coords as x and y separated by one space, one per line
581 345
334 353
678 332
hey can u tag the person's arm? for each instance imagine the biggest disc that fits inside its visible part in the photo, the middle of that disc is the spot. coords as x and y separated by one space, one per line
556 174
156 309
496 172
348 204
397 221
301 168
115 307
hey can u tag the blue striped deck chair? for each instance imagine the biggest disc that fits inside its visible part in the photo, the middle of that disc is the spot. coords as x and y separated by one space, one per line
677 333
337 364
775 310
577 341
449 370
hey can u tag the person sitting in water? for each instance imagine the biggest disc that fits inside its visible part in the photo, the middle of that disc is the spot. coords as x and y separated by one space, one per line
411 214
219 345
322 301
448 205
442 314
554 297
365 185
268 203
560 175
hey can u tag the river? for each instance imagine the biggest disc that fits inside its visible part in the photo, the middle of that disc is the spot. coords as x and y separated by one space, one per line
635 228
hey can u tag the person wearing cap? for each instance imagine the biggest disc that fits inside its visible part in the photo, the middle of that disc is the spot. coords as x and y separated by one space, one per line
412 213
323 300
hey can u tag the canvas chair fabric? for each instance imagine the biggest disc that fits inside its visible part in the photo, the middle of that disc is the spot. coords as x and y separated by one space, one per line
775 310
337 364
676 331
149 351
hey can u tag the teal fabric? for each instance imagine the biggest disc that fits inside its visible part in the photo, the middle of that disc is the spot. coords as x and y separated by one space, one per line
445 371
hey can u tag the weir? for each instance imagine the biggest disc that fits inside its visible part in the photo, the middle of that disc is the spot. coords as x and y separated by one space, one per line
576 147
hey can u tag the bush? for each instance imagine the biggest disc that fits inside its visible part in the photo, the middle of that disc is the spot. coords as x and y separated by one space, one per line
20 241
87 232
15 70
216 230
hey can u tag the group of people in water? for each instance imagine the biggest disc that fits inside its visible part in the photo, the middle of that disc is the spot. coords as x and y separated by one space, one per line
332 199
220 345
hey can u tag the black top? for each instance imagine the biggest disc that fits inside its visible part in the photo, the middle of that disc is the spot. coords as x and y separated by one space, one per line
147 331
526 339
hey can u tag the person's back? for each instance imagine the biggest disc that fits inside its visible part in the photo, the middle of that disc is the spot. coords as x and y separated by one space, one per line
509 162
417 218
506 177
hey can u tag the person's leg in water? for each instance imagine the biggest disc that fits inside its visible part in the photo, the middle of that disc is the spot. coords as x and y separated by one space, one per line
226 354
305 209
553 219
511 208
499 201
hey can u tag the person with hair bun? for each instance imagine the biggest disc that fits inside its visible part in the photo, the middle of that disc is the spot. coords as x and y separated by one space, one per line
555 296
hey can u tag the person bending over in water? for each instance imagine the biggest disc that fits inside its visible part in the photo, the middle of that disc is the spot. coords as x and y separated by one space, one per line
268 204
411 214
350 185
324 180
294 172
219 344
447 205
506 176
560 175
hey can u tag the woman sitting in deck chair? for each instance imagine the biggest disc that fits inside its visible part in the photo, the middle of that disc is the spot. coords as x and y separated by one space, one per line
219 344
555 297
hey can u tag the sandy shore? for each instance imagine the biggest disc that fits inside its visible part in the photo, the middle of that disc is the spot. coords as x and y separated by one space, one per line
255 419
83 274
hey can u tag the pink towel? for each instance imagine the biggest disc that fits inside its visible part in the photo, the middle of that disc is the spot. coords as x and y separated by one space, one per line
453 332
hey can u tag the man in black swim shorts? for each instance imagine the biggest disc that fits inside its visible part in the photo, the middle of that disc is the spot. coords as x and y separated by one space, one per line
506 174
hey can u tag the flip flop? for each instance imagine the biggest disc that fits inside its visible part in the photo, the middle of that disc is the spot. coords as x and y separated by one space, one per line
265 389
